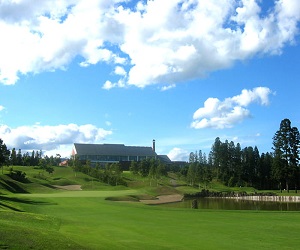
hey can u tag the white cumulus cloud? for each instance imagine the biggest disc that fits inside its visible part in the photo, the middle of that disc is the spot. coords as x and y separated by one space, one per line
178 154
160 42
165 88
120 71
224 114
51 138
109 85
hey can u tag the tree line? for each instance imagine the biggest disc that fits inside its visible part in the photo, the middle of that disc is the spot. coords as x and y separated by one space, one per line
35 158
110 173
234 166
226 162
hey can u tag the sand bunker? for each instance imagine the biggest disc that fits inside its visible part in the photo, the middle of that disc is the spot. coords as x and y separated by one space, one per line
164 199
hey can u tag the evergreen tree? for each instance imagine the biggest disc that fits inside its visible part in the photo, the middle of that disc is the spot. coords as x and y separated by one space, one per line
13 157
26 159
32 159
115 173
295 154
75 163
192 157
199 174
4 154
210 159
286 143
37 157
161 170
144 167
295 146
224 157
248 163
200 157
256 166
238 164
215 156
19 158
134 167
204 159
265 171
191 173
207 175
152 173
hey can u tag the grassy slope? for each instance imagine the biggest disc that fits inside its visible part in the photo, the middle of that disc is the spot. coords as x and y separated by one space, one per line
32 231
84 219
93 222
41 182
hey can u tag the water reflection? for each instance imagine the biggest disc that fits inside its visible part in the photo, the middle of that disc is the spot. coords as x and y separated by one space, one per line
234 204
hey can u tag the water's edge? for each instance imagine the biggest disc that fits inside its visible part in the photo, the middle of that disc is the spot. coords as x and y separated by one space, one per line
265 198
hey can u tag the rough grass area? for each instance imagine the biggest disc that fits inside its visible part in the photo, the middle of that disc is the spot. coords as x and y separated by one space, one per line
32 231
16 203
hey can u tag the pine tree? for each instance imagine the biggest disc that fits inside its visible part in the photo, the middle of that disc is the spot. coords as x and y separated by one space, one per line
286 144
4 154
19 158
13 157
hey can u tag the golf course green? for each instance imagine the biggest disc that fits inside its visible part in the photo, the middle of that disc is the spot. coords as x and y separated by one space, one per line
47 218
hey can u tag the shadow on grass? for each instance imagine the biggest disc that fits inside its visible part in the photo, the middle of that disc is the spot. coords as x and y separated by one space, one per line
10 208
49 186
12 187
23 201
4 246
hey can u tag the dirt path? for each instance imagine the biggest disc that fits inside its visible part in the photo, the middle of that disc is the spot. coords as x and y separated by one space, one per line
173 183
69 187
164 199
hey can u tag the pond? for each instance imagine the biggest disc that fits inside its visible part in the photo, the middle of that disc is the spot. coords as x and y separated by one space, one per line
234 204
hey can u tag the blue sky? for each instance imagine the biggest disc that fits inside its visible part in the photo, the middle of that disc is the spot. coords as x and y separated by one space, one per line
182 72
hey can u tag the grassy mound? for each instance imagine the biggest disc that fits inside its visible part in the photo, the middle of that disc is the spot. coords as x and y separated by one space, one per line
9 185
32 231
39 181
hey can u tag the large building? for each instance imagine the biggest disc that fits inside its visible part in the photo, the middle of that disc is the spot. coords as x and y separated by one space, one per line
110 153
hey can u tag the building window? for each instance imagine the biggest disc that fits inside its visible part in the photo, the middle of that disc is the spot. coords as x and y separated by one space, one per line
132 158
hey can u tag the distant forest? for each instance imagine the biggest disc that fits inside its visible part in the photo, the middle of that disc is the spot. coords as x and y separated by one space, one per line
234 166
227 162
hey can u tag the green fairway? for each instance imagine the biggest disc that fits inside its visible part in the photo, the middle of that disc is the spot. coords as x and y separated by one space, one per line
60 219
95 223
80 194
